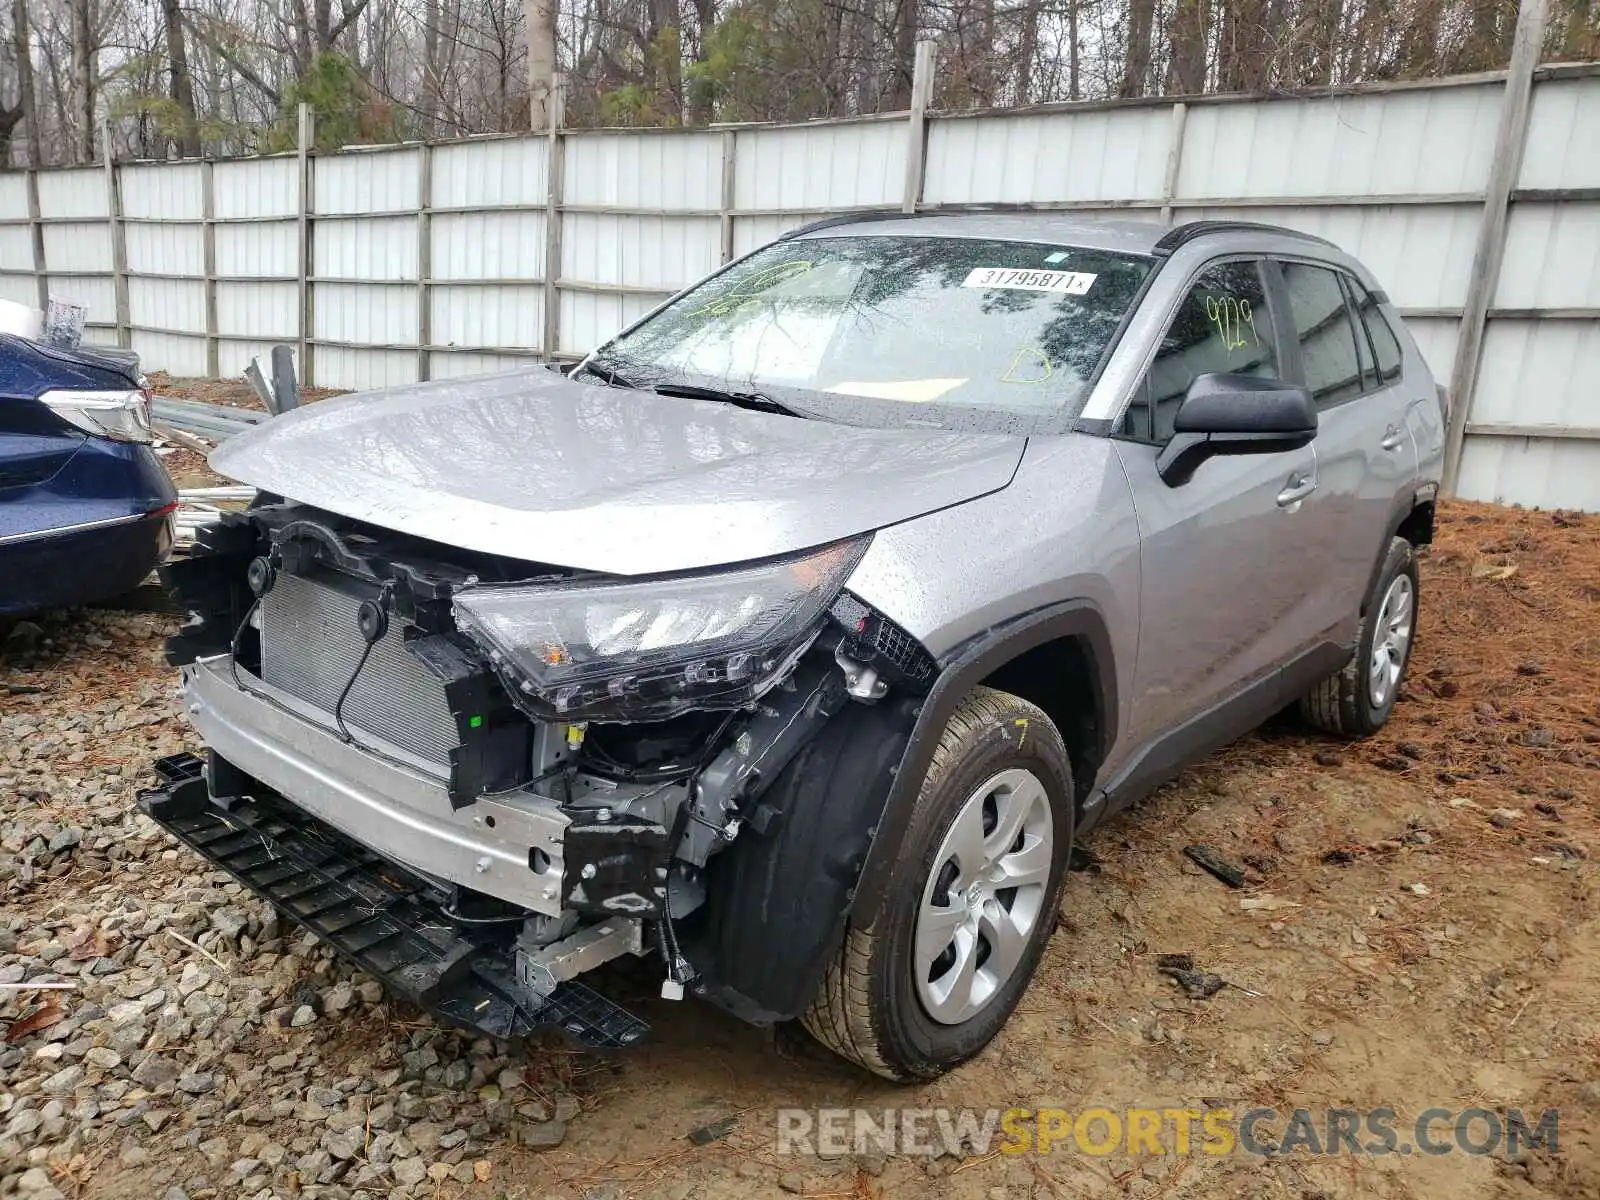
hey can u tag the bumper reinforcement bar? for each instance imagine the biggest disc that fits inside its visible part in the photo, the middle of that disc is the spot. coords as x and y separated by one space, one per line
374 913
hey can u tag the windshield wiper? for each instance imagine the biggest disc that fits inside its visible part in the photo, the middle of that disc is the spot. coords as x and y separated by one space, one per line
755 401
605 374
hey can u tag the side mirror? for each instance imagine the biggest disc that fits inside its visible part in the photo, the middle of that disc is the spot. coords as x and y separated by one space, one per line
1235 414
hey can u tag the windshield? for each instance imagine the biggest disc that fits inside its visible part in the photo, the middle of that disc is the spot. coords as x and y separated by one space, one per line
889 332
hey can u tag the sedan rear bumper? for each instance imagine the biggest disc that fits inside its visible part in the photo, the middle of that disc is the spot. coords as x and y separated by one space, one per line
81 563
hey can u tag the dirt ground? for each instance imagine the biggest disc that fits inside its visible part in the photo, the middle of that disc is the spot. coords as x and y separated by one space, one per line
188 468
1418 929
236 393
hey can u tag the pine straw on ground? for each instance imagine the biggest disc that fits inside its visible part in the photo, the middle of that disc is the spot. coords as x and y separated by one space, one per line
1503 689
1507 654
235 393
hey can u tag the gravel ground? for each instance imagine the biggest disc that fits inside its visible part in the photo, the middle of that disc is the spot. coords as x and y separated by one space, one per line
1420 925
203 1049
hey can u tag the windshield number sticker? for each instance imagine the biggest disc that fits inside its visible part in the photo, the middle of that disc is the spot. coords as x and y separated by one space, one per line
1066 283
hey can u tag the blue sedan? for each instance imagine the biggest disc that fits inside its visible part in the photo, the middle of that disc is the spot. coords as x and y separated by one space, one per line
86 508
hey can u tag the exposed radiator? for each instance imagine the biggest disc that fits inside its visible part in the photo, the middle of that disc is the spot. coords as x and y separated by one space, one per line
309 646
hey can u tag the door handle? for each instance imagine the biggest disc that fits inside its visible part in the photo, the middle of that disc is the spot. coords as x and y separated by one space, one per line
1296 490
1393 437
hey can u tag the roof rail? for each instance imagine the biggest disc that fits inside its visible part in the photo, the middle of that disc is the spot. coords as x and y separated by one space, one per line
852 219
1181 235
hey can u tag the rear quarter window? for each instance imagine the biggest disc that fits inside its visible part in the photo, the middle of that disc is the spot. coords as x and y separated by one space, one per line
1385 346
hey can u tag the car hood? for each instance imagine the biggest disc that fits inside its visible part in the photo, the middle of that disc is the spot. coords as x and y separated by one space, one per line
534 466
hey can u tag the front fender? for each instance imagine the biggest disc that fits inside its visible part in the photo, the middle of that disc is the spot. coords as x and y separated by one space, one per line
778 899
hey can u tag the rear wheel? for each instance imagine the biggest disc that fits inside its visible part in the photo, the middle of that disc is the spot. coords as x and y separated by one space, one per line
1357 700
924 983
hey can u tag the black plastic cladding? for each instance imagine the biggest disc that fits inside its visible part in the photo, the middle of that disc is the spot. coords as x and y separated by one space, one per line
210 583
777 898
961 672
496 741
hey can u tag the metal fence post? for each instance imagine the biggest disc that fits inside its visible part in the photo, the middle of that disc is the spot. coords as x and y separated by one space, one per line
304 132
1169 185
119 241
917 124
208 235
1510 138
424 259
730 142
555 171
41 281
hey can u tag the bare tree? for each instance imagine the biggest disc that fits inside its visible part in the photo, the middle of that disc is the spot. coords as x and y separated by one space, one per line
1189 33
541 32
698 102
21 113
905 55
84 56
1136 64
188 139
224 75
662 49
1241 54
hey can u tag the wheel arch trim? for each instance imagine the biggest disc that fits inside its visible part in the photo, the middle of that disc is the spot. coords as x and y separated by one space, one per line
962 670
1407 503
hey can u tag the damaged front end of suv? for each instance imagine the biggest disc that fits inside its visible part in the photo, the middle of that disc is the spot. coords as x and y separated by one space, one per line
479 778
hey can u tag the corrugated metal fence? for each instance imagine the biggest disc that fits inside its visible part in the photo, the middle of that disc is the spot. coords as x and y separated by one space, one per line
423 261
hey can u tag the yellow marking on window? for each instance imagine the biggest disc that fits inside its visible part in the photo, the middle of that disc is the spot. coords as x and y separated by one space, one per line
1232 316
1011 376
749 292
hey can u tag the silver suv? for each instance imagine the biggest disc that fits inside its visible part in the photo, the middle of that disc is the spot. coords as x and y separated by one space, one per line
789 639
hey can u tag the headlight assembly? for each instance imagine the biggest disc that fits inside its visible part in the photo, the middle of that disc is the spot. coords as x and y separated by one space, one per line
648 649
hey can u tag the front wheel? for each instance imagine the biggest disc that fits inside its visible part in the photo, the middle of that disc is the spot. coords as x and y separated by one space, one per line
1357 700
926 982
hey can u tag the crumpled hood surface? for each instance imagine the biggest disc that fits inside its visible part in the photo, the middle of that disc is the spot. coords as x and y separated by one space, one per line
534 466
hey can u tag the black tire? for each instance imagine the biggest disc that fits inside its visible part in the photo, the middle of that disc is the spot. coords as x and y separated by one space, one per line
867 1009
1342 703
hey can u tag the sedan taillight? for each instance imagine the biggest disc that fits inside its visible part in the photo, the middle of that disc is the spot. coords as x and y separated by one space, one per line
120 416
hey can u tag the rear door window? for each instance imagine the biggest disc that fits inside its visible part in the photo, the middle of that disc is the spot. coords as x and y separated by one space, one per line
1323 327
